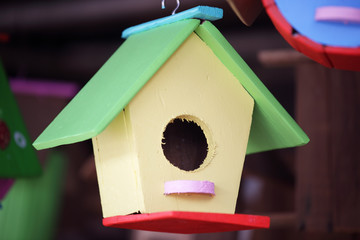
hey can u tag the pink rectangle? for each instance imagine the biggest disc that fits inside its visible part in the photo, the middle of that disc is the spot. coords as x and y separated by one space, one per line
189 186
44 88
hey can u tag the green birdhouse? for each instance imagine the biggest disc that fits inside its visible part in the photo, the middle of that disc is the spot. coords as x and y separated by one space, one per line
17 156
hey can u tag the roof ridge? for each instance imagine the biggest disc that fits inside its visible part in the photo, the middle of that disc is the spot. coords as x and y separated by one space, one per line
199 12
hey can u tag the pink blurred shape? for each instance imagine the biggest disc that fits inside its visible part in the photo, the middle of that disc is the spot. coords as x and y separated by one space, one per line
338 14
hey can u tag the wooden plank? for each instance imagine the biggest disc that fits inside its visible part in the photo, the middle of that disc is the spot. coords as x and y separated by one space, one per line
328 190
282 58
327 108
313 179
344 150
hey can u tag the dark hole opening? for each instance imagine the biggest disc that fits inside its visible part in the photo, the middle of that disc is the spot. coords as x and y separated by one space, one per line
184 144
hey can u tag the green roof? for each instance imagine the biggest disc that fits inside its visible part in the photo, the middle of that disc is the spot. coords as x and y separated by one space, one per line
137 60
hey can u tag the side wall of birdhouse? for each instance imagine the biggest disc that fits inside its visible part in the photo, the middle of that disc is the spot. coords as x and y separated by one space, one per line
194 86
117 168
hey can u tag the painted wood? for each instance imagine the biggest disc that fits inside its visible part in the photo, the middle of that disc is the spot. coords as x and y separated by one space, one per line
188 222
172 91
272 126
189 187
117 168
177 89
301 16
199 12
338 14
113 86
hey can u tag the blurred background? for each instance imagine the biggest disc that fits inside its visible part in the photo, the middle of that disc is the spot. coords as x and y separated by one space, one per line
304 191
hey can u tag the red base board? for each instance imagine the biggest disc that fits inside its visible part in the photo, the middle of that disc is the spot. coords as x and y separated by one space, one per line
188 222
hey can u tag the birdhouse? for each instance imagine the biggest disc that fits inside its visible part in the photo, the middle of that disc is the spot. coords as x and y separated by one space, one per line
326 31
171 116
17 156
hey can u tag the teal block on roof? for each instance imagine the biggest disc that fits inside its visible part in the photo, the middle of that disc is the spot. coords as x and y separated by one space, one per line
199 12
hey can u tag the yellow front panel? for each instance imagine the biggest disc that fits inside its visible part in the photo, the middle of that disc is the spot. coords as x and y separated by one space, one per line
193 82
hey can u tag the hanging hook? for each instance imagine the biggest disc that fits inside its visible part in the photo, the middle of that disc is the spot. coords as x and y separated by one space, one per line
177 6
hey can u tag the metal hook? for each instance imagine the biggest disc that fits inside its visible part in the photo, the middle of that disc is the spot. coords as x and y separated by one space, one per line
177 6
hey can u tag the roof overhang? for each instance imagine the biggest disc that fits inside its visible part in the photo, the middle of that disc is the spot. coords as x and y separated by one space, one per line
137 60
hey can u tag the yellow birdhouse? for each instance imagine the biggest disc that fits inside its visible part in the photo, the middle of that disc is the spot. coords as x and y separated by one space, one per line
170 115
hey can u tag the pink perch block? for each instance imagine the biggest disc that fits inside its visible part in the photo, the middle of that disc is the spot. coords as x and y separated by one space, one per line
338 14
189 186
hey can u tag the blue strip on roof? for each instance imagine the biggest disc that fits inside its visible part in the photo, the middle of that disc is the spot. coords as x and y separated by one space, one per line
199 12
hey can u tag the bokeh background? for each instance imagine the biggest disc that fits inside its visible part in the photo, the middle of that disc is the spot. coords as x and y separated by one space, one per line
66 41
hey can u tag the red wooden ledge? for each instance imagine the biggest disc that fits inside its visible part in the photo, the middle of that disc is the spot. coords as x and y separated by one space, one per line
188 222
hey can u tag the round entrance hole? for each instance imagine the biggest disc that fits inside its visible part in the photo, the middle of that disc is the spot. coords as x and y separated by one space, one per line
184 144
